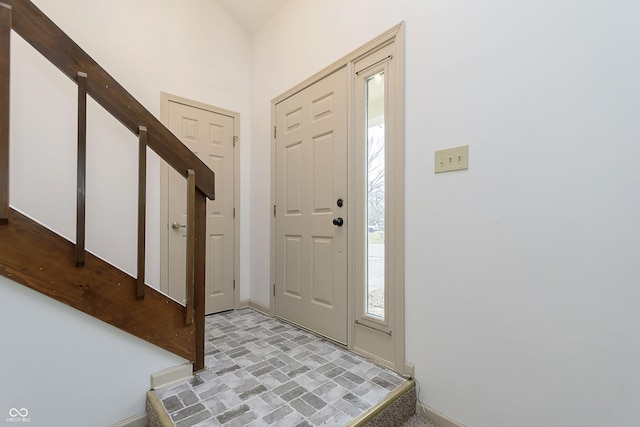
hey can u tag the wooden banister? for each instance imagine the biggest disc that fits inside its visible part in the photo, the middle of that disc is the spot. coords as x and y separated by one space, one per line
40 259
48 39
5 52
81 169
142 208
40 32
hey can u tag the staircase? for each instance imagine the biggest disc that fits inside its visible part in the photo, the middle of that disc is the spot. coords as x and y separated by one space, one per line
36 257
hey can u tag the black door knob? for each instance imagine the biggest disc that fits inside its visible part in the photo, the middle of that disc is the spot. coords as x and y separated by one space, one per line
338 222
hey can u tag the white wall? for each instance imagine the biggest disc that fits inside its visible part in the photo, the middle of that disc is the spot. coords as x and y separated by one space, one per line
67 368
50 352
521 273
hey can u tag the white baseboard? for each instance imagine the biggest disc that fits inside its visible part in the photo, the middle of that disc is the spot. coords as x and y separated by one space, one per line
171 375
438 418
264 309
409 370
140 420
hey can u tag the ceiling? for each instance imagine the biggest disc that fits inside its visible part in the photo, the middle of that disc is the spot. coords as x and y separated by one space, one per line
251 14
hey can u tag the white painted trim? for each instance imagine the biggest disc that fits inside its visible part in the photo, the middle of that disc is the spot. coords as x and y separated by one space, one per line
379 41
382 346
438 418
393 35
409 370
247 303
156 405
171 375
272 276
373 358
351 212
165 98
140 420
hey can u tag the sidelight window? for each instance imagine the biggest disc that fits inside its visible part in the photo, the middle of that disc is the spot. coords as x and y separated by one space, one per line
375 170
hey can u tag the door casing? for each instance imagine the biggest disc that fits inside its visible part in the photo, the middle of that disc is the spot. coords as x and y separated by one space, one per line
396 273
166 98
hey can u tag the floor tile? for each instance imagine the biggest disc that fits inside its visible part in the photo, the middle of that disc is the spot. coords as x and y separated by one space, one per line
263 372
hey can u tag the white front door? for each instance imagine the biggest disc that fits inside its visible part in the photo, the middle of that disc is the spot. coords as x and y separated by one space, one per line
210 135
311 207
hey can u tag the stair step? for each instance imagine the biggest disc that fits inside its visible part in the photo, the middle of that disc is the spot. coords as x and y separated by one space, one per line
418 420
260 368
392 411
398 409
156 413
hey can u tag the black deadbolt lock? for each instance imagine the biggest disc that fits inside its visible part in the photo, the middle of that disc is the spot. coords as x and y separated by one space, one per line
340 202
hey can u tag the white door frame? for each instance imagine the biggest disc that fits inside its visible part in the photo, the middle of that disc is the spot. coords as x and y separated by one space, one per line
394 35
165 98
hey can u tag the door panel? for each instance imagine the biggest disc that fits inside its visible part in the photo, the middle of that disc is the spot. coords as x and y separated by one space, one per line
322 263
293 267
311 175
210 136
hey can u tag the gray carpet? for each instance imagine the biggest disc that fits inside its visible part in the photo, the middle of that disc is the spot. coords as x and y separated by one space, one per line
397 413
418 421
401 413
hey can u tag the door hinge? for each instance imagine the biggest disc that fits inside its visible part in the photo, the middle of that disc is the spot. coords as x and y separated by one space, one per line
234 284
274 289
234 212
275 132
274 211
235 140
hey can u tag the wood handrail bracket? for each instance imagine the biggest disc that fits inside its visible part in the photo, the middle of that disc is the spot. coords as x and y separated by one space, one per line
92 285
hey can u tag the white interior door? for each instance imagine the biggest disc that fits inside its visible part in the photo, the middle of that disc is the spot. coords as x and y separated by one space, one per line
210 135
311 178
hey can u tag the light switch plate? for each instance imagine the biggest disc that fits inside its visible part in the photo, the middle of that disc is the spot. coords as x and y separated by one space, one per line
452 159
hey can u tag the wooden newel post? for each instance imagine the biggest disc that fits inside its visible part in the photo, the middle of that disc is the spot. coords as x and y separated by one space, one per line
199 277
5 67
196 269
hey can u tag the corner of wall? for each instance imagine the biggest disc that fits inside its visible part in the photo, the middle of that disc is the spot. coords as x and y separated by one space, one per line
438 418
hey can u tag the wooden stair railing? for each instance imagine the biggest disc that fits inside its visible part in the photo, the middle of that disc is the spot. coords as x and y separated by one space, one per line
41 33
38 258
52 43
